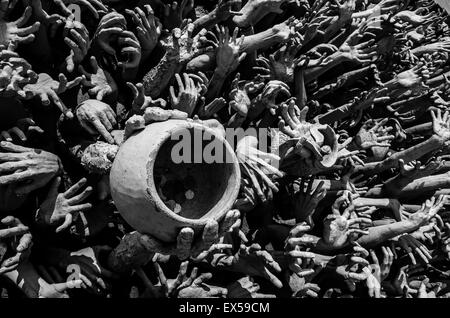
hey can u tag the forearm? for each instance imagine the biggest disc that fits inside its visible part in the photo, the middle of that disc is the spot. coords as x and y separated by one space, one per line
362 14
263 40
425 185
334 27
216 84
157 79
208 21
379 234
300 89
250 14
420 129
408 155
438 80
342 81
400 185
313 73
26 279
376 202
334 115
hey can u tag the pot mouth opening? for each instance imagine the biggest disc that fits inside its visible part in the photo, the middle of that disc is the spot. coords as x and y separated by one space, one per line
195 175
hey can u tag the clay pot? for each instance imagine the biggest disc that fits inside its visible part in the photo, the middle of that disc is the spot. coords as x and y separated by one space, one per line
144 180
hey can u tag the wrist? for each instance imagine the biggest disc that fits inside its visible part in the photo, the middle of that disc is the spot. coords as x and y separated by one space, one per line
363 14
221 73
340 57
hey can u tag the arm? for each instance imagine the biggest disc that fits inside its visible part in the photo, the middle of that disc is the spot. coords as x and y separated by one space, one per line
313 73
410 154
157 79
279 33
380 234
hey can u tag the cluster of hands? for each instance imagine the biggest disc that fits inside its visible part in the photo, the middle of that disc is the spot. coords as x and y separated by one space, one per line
354 93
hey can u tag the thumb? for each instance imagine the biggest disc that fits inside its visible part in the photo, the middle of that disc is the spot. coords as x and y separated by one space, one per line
62 287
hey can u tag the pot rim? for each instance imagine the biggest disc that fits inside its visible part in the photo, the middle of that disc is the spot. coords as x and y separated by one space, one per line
223 203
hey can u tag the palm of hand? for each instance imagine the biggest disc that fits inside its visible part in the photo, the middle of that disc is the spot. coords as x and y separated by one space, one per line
252 263
44 84
335 232
428 210
227 56
303 130
271 92
186 102
255 262
349 52
366 138
441 124
408 78
55 210
283 68
283 30
183 44
240 101
306 201
103 81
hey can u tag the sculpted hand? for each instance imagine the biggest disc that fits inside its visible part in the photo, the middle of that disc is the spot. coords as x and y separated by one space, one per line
340 229
47 89
373 134
109 29
29 169
428 211
100 81
441 124
228 57
59 207
12 228
130 53
412 246
245 288
306 199
141 101
254 261
21 131
84 265
257 166
269 97
77 39
300 262
14 33
188 246
148 28
97 118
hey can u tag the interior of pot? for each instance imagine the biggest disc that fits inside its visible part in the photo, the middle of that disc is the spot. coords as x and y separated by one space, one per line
188 180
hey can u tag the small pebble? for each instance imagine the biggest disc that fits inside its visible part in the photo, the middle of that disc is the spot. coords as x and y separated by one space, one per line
189 194
177 208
